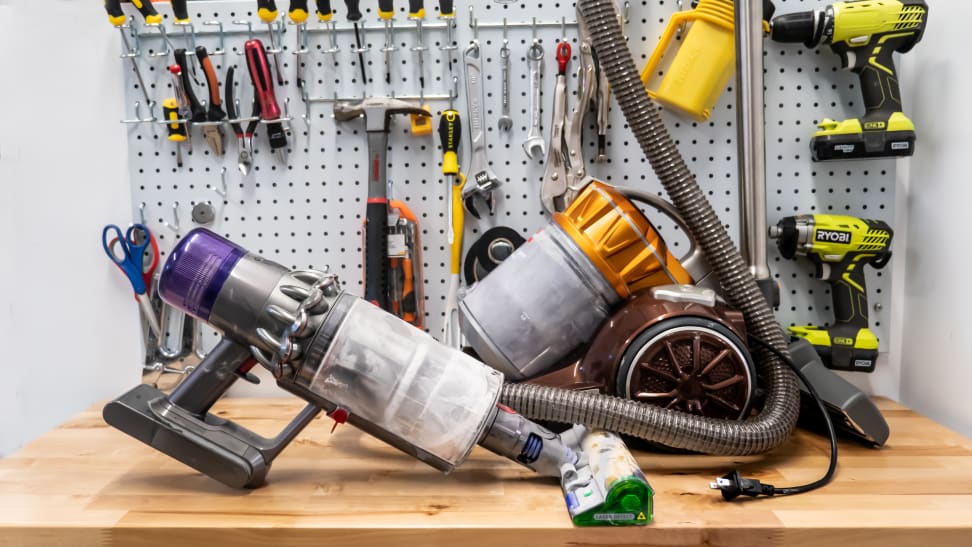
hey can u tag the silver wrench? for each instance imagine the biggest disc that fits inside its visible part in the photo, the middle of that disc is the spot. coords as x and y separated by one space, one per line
505 122
534 139
483 179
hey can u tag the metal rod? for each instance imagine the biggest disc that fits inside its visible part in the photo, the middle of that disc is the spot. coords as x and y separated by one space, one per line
752 138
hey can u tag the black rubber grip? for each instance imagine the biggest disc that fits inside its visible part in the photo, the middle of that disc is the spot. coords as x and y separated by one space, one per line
170 111
354 14
386 9
324 10
376 254
230 94
276 135
416 8
447 7
197 109
267 10
882 96
850 298
147 10
115 14
180 11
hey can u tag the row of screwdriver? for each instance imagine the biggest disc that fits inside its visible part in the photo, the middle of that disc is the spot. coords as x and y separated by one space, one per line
299 14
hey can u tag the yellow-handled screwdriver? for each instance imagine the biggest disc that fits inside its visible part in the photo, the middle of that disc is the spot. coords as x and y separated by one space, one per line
177 129
450 134
267 11
118 18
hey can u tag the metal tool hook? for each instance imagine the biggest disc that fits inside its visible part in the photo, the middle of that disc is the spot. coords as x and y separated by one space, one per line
222 191
221 49
175 218
165 38
125 30
249 33
189 34
138 114
141 213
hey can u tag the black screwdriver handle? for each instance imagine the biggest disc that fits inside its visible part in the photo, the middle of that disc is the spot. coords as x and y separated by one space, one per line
324 11
145 7
354 14
298 11
180 11
447 8
267 10
450 133
416 8
196 108
386 9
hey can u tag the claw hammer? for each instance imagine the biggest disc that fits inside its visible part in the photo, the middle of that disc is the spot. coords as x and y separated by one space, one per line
377 112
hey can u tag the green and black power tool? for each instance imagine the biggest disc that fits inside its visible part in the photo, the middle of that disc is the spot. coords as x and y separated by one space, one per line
840 247
865 33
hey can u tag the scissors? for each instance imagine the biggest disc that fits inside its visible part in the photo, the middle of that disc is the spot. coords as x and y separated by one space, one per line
132 263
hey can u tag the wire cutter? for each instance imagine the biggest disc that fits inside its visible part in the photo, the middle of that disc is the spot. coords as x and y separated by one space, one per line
243 138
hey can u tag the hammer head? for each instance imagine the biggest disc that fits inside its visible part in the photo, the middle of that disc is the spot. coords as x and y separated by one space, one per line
377 111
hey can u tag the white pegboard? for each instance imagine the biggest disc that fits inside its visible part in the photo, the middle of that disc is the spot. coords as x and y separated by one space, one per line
308 213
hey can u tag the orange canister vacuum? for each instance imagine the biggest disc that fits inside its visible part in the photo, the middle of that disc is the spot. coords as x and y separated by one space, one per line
704 63
550 296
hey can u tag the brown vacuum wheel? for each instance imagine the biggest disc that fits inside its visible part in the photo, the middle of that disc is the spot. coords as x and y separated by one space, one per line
692 365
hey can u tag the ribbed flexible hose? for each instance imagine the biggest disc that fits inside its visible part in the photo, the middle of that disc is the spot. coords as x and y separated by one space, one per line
774 423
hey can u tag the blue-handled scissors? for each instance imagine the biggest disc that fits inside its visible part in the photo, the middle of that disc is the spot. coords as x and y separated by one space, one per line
132 263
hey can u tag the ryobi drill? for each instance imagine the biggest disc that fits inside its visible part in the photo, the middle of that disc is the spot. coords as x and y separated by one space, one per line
865 33
840 247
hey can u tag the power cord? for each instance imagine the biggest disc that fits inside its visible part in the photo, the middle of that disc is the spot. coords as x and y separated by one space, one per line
732 485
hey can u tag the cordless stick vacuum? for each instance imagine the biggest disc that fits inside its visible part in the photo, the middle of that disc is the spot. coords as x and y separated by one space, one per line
362 366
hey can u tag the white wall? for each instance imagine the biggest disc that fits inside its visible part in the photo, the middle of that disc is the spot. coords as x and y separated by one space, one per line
68 326
936 369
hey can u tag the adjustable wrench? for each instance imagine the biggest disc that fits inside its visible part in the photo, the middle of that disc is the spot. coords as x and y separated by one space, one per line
505 122
534 138
577 171
554 186
482 178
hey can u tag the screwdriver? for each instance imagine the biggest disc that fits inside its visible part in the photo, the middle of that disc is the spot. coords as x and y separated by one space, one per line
354 15
386 10
416 12
179 11
177 131
450 133
298 16
117 18
182 100
256 61
267 10
447 11
325 14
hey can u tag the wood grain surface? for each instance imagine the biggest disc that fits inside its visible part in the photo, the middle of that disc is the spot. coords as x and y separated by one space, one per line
87 484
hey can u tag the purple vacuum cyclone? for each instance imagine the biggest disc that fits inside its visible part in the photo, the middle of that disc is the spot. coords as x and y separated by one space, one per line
196 270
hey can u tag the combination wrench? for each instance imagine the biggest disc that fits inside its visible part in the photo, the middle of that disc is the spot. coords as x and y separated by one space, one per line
534 140
505 122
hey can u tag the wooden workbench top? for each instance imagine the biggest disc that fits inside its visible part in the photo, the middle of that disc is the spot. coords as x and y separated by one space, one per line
87 484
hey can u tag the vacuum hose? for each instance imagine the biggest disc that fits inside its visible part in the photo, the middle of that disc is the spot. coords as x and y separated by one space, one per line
761 433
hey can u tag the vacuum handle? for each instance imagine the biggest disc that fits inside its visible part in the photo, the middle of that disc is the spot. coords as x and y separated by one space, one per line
213 377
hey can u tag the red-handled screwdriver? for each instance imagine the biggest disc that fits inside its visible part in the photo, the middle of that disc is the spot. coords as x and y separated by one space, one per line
256 61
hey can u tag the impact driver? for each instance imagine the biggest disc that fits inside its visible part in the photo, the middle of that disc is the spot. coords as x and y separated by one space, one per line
840 247
865 33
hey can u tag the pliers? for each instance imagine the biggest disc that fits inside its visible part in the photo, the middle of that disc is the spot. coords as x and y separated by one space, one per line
243 138
586 85
554 186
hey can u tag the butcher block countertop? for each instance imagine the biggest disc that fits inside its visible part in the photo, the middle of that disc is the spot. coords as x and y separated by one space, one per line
85 483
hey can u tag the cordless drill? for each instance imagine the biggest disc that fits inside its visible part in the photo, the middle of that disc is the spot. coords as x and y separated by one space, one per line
840 247
865 33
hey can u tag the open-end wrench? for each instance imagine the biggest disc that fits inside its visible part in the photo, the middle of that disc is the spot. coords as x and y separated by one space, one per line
505 122
534 140
574 132
482 179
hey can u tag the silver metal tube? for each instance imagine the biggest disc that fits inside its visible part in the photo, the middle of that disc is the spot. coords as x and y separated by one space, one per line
751 136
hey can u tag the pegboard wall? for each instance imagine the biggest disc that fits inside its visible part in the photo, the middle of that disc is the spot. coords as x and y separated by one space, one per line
308 212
